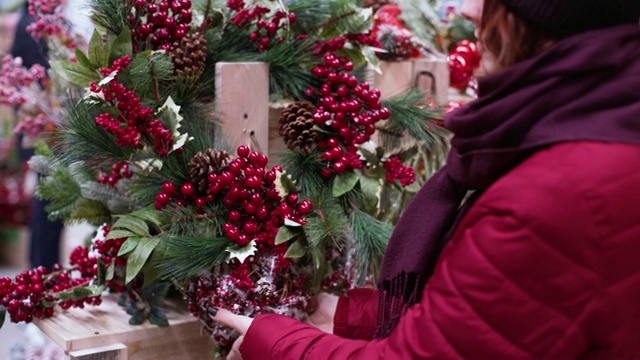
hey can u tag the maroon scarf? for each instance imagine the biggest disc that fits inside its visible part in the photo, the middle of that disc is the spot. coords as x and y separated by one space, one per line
586 87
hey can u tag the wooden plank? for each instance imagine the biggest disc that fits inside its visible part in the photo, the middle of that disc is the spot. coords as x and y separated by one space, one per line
396 78
242 103
276 142
425 71
112 352
108 324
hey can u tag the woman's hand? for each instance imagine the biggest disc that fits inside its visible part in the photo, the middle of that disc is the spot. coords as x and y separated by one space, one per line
322 318
238 322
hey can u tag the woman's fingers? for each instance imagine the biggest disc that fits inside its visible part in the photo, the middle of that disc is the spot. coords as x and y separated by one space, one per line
238 322
235 350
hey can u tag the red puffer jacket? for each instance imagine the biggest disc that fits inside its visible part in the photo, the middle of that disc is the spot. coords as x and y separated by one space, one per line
546 264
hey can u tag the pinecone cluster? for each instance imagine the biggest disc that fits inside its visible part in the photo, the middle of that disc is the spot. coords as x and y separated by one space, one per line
189 55
203 164
374 4
296 126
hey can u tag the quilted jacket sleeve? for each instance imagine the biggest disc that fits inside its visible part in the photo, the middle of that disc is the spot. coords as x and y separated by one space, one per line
356 314
514 283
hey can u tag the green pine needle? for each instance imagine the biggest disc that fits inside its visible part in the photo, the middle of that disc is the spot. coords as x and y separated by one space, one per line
110 14
328 226
305 170
370 238
411 115
62 192
183 257
288 79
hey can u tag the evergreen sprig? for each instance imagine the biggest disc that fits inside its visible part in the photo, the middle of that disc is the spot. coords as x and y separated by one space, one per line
328 226
370 238
411 115
183 257
110 14
288 77
305 170
62 192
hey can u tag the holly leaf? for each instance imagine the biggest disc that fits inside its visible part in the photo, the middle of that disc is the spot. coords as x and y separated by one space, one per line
139 256
121 46
241 253
84 60
158 317
284 234
98 52
3 313
74 73
296 250
102 272
129 245
344 183
133 224
169 116
369 157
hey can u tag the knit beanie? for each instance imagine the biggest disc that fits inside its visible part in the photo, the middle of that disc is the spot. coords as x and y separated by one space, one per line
564 18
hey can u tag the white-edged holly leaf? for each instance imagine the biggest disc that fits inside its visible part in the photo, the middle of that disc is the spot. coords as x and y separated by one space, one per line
241 253
109 78
289 222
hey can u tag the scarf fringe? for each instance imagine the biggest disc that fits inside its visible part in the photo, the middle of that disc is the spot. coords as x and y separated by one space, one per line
394 298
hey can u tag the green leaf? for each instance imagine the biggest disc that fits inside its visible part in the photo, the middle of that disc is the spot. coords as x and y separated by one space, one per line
370 157
136 225
129 245
158 317
139 256
49 304
3 312
284 234
121 46
413 187
83 60
370 188
98 52
296 250
102 272
82 292
119 233
288 184
75 73
344 183
111 270
149 214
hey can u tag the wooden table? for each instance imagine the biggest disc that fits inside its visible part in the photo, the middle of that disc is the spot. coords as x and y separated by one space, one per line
103 333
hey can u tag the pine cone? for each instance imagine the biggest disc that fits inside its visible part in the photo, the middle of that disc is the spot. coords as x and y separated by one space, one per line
296 126
374 4
201 165
189 55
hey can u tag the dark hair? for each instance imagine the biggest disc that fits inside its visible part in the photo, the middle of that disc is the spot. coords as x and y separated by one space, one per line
509 37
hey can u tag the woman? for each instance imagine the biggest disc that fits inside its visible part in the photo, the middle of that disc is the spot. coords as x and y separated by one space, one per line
542 260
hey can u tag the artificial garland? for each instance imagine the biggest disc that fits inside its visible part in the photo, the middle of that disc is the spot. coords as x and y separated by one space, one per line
137 151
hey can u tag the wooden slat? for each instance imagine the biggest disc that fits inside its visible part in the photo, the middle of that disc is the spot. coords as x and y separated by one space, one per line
108 324
112 352
242 103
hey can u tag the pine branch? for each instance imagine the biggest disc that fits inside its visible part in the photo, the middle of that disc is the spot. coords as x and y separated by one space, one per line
41 164
411 115
328 225
182 257
305 170
83 140
287 76
92 211
61 191
370 238
110 14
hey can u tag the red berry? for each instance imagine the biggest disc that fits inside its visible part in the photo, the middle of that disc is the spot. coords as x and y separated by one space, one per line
326 173
168 188
243 151
270 177
253 182
187 189
292 198
200 202
234 215
209 198
339 167
384 113
242 240
162 198
292 17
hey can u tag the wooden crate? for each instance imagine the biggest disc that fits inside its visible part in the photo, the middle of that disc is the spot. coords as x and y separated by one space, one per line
103 332
429 74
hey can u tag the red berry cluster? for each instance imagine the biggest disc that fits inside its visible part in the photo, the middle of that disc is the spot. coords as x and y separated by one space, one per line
34 293
248 191
165 22
133 119
266 29
118 171
396 170
347 108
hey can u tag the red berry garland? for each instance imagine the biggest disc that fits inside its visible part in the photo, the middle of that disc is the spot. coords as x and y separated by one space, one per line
118 171
398 171
132 120
34 293
348 109
264 30
247 189
157 25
